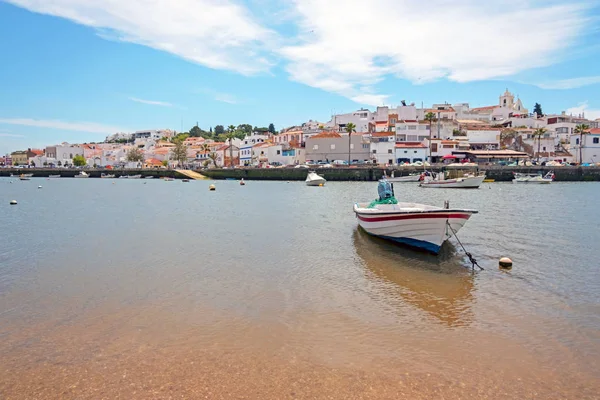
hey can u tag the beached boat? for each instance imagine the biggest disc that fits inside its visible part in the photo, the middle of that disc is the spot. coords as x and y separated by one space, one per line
108 176
53 176
314 179
82 174
533 178
439 180
418 225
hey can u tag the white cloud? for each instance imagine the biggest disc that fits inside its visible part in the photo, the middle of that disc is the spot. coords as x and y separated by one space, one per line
216 33
10 135
91 127
151 102
584 109
220 96
348 44
571 83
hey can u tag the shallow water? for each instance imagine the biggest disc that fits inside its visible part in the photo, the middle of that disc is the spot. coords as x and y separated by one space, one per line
140 289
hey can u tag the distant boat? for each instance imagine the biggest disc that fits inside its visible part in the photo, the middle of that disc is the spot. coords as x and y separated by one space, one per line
82 174
53 176
464 182
406 178
168 178
25 177
149 177
123 176
242 183
109 176
185 180
533 178
314 179
135 176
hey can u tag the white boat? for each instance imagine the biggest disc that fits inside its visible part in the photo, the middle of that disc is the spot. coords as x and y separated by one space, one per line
135 176
25 175
439 180
168 178
53 176
82 174
533 178
314 179
108 176
123 176
149 177
418 225
406 178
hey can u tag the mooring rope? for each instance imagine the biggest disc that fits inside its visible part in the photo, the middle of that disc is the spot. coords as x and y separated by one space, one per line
469 255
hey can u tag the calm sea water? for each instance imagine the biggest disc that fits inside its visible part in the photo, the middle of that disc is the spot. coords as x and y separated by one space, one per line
101 278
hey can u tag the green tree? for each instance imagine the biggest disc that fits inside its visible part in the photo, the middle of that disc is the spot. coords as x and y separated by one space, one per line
430 117
262 130
537 108
180 137
135 155
539 132
231 135
219 130
350 128
272 129
245 128
581 129
165 163
212 158
195 131
79 160
45 163
179 152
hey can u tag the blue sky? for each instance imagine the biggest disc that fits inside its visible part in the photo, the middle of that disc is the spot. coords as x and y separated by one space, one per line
78 70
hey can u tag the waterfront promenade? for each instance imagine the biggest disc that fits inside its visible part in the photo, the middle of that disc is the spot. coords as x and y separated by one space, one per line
498 173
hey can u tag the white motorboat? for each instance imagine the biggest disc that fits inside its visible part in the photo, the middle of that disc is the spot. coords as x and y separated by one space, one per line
314 179
418 225
406 178
108 176
53 176
533 178
135 176
168 178
25 177
149 177
82 174
124 177
439 180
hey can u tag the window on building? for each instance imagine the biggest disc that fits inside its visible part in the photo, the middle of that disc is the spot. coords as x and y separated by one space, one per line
415 152
390 151
434 147
374 151
316 147
544 148
365 146
595 140
351 146
393 120
278 152
405 151
390 161
332 147
577 141
412 127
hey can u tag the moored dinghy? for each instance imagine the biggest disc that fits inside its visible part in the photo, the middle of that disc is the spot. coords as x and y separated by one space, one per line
314 179
418 225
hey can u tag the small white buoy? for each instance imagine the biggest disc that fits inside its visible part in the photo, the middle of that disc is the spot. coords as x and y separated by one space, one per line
212 187
39 187
505 263
13 202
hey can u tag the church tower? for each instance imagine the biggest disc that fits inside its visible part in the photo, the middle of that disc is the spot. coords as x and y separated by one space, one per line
507 99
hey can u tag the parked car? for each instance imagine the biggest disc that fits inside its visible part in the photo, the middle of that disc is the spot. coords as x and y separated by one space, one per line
301 166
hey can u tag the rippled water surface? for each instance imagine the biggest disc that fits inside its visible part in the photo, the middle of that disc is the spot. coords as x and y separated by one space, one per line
152 289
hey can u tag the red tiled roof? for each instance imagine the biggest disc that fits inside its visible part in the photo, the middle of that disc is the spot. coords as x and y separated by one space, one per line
381 122
410 145
326 135
595 131
37 152
486 108
153 161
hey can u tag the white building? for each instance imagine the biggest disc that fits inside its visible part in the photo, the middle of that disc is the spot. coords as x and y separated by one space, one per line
410 152
589 147
278 154
246 145
412 131
62 154
383 148
484 138
154 134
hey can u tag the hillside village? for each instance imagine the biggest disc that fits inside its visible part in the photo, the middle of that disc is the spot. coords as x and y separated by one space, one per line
506 131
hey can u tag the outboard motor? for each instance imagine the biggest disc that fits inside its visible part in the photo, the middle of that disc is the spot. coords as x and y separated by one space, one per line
385 189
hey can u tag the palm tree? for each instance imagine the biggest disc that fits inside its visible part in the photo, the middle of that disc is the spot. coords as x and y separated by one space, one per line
539 132
230 136
581 129
213 158
430 117
350 127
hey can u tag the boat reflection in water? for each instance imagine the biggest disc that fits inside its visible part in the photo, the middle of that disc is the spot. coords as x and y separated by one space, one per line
441 286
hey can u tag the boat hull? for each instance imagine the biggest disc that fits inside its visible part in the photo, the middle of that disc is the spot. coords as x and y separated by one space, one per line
540 181
407 178
422 230
472 182
313 179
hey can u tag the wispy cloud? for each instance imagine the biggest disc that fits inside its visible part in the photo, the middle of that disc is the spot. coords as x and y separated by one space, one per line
151 102
220 96
572 83
584 109
347 53
91 127
10 135
218 34
464 41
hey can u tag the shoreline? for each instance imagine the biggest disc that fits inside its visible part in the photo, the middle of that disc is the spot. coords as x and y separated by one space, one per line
498 173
